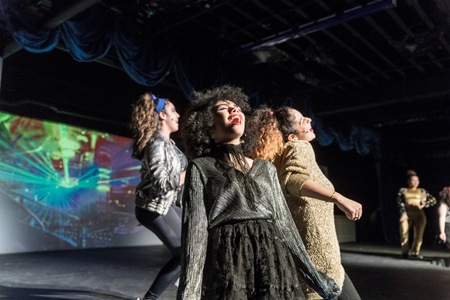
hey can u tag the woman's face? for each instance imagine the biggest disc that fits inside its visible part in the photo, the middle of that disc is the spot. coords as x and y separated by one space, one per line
302 127
170 117
229 122
413 182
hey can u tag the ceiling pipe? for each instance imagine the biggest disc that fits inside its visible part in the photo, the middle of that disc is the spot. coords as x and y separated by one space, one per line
321 24
61 17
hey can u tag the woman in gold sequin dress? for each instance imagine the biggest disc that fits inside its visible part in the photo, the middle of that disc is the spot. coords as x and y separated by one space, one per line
411 202
285 137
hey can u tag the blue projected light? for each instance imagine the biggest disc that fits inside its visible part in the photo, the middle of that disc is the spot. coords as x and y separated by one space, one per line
64 187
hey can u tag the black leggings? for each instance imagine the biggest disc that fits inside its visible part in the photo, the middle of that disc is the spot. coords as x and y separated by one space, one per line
168 229
348 290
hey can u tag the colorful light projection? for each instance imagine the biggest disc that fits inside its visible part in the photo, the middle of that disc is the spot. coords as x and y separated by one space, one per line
64 187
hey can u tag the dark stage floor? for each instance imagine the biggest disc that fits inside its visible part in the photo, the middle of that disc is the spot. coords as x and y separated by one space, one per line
125 273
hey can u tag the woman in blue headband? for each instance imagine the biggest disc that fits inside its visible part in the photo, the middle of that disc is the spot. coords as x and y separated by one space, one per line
158 195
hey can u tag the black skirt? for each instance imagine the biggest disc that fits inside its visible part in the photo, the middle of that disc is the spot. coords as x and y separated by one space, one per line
249 260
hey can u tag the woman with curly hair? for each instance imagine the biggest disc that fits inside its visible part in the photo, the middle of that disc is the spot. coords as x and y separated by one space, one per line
285 136
411 202
162 179
444 216
239 239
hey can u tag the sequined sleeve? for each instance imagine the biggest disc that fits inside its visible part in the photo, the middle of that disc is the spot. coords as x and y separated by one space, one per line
401 201
194 236
295 167
324 285
161 179
429 200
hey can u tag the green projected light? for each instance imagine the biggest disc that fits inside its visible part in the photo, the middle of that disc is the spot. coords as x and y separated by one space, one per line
61 180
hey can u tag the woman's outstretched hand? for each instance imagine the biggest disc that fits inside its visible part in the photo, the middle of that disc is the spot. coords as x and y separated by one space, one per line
352 209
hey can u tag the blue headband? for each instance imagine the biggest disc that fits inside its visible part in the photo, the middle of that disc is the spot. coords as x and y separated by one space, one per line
161 103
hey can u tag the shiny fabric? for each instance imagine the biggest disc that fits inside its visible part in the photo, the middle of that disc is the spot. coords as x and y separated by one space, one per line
416 217
160 175
214 196
417 220
314 218
168 229
425 198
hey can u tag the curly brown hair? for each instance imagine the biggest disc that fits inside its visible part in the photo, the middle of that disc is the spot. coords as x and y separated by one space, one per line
197 126
444 195
144 122
270 138
285 121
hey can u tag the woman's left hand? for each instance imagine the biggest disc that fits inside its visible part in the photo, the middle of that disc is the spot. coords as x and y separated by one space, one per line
352 209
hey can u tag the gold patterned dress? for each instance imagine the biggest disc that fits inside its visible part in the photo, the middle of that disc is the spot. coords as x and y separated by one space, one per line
314 218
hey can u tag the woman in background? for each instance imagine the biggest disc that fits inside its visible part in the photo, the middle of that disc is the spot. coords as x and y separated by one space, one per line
162 178
285 137
444 216
411 202
239 239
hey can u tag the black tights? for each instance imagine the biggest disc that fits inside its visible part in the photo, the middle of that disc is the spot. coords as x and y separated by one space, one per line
168 229
348 290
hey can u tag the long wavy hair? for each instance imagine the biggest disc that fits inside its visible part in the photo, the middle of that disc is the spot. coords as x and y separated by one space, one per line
197 126
144 122
270 138
285 121
444 196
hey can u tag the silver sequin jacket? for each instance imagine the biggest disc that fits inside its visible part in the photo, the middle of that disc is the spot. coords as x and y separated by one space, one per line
160 175
212 199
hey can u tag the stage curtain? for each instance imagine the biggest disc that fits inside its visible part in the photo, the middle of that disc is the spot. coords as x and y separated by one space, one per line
90 35
31 37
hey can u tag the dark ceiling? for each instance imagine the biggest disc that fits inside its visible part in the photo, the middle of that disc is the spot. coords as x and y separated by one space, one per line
387 70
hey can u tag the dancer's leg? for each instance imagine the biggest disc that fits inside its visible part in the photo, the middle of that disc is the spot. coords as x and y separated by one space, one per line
168 229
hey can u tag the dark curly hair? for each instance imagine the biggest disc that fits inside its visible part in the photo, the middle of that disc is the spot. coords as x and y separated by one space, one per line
444 196
197 126
270 138
285 121
144 122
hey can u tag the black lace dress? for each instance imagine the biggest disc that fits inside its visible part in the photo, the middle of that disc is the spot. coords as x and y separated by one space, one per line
239 248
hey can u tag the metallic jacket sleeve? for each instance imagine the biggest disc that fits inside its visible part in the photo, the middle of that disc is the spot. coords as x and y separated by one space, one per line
401 201
161 180
194 237
429 200
324 285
